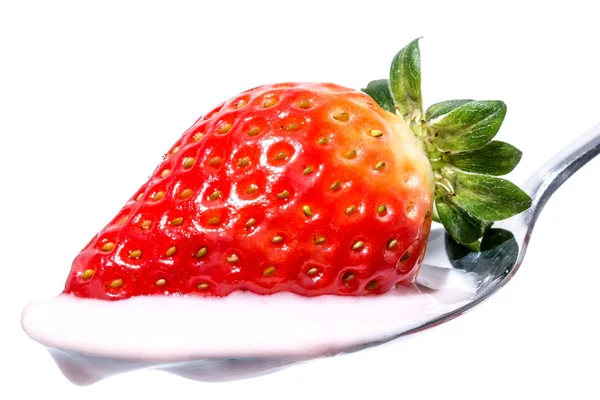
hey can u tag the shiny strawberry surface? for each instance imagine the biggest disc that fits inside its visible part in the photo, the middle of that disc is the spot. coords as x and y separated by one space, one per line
308 188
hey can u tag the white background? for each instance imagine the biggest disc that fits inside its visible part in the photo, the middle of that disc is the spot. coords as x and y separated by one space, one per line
92 95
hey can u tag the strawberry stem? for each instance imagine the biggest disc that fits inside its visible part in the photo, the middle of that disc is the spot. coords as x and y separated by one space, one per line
457 137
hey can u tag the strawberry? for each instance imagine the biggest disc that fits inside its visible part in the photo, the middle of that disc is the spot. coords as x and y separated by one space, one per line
309 188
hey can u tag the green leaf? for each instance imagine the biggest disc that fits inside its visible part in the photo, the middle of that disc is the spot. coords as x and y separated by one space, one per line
468 126
379 90
489 198
461 225
405 82
495 158
438 109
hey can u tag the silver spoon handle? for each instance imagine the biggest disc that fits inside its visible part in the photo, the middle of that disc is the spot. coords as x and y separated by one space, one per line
558 169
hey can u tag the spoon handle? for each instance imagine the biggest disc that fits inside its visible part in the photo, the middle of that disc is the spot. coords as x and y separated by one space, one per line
558 169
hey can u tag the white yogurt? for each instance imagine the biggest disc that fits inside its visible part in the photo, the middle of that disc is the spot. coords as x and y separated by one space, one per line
91 339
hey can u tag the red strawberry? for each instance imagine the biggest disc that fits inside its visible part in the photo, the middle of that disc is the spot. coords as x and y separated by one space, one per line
310 188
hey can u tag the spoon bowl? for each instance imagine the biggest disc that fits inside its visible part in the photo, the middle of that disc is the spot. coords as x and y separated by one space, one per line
446 263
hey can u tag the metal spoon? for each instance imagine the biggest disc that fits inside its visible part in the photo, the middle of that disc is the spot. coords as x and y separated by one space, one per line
505 245
502 252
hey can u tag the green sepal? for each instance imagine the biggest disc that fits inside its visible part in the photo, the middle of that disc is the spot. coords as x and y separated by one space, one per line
461 225
405 82
444 107
475 246
489 198
379 90
458 139
468 126
495 158
434 214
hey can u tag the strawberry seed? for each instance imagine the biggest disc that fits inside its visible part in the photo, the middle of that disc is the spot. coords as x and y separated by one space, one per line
216 194
197 137
270 102
392 243
283 195
308 170
244 162
202 252
255 130
215 161
381 209
405 257
117 283
380 165
304 104
146 224
186 193
214 221
335 185
160 282
87 274
350 210
165 173
277 239
359 244
372 285
319 240
282 155
307 210
108 246
269 271
158 196
177 221
225 127
135 254
172 250
250 222
350 154
188 162
252 189
233 259
312 271
348 276
202 286
376 133
342 117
